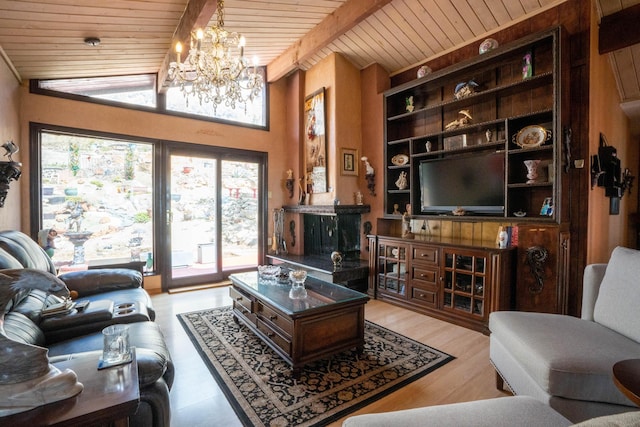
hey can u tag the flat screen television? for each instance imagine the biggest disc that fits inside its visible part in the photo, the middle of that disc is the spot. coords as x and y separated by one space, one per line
474 183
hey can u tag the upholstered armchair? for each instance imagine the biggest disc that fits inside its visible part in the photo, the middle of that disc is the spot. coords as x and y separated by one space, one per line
566 361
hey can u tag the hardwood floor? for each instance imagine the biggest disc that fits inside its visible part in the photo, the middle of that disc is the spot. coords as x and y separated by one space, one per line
196 399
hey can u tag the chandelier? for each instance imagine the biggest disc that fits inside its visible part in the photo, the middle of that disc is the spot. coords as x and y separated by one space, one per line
216 71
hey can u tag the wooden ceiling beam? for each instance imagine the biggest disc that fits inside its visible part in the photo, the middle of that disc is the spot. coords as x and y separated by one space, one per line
197 14
333 26
619 30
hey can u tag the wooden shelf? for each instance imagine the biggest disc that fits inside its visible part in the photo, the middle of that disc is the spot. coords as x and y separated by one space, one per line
503 104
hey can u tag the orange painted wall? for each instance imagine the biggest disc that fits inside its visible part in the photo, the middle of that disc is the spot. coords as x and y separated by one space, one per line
341 81
83 115
374 80
606 231
10 131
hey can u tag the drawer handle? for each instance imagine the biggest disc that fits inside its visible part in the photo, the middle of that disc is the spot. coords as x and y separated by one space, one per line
424 255
422 295
239 298
423 275
271 334
273 317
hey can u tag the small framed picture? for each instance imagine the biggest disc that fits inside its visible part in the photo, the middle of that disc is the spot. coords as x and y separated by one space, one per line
547 207
349 161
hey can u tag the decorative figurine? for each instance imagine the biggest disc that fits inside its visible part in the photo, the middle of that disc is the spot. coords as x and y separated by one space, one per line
488 134
463 120
406 225
527 65
303 193
358 197
465 89
409 102
401 183
46 240
336 258
370 175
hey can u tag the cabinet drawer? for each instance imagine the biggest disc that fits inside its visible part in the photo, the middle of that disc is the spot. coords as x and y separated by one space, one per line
424 297
274 336
280 320
241 301
424 275
424 254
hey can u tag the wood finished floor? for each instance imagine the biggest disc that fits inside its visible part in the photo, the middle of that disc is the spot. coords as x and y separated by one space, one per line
196 399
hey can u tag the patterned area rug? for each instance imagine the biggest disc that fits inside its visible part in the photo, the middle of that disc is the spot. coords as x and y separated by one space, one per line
262 391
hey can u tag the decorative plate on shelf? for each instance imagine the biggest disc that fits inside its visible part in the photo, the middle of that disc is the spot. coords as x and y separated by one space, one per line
400 159
531 136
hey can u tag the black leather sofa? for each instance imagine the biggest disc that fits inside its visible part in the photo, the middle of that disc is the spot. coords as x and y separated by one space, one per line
115 296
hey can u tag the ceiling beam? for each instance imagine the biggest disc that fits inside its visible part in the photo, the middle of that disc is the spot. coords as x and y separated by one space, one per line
333 26
197 14
619 30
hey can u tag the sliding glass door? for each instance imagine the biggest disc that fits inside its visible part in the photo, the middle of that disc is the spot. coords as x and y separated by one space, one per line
213 220
191 213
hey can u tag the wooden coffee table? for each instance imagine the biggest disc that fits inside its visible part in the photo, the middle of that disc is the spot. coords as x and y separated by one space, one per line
328 321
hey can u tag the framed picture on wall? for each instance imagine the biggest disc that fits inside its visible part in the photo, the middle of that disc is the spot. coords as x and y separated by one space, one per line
349 161
315 142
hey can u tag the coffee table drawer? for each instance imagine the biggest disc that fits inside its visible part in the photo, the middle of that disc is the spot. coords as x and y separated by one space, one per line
280 320
273 336
241 302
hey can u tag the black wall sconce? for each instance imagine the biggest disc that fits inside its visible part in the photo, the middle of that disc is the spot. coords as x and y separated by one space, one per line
9 171
606 172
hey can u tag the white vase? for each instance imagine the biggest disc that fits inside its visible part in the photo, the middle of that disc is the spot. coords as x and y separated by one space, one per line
532 170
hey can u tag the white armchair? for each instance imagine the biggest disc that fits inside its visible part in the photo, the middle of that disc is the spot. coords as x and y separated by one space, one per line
566 361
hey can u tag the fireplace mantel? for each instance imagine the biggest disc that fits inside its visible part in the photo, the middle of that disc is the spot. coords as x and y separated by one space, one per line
328 209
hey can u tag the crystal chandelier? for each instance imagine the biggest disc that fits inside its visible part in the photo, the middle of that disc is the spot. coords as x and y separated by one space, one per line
216 71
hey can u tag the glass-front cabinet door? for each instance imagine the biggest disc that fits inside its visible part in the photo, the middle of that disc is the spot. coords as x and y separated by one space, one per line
465 274
392 269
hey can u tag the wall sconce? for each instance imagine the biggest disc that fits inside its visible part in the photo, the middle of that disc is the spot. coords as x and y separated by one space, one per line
8 170
606 172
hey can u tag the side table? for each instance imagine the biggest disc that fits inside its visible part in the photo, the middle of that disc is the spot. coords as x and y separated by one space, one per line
109 396
626 376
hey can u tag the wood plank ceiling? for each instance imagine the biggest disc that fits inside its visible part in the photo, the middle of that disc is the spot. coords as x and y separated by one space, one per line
44 38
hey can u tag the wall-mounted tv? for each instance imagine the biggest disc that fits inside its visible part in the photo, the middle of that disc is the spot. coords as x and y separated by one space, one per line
474 183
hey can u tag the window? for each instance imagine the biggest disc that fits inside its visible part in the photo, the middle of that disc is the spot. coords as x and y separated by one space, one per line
140 91
97 194
135 90
253 113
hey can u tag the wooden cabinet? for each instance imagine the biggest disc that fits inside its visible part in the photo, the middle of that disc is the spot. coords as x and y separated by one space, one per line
512 108
460 282
391 268
543 257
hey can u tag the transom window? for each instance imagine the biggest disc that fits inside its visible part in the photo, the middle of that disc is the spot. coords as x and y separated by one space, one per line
140 91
